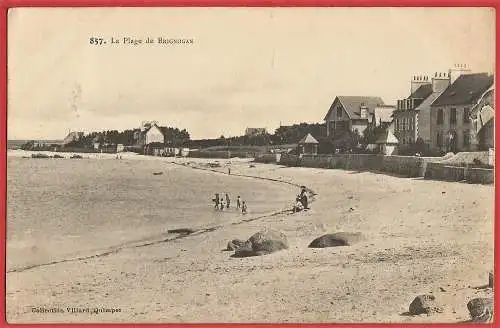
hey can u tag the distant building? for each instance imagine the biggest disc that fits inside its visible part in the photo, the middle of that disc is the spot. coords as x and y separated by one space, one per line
252 132
451 124
406 115
387 143
412 118
350 113
308 145
72 136
149 133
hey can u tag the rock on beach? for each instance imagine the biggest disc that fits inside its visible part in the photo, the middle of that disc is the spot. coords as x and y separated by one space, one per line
336 239
425 304
480 309
261 243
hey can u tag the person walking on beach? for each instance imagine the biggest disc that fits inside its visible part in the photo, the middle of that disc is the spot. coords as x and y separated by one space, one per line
238 202
229 170
244 208
228 201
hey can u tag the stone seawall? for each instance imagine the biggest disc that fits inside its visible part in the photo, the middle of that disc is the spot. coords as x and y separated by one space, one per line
408 166
440 171
401 165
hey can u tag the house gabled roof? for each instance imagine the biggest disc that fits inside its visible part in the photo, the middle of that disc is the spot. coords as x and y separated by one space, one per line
161 128
387 138
422 92
308 139
352 105
427 103
465 90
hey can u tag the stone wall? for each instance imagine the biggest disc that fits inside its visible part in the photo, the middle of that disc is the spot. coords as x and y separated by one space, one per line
402 165
440 171
476 175
436 168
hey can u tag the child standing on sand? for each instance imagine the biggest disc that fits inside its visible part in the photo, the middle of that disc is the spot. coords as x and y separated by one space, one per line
216 200
238 202
244 208
228 201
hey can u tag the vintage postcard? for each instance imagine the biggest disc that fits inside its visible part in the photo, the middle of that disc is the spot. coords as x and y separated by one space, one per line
250 165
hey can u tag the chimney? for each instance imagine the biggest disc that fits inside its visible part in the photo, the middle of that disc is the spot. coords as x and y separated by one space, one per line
440 82
418 81
457 70
363 111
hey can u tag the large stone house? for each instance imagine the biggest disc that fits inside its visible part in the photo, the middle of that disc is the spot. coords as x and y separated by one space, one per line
451 124
356 113
150 137
412 115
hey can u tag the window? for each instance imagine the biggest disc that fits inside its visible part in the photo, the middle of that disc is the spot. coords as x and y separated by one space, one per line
440 117
453 116
466 115
339 112
466 138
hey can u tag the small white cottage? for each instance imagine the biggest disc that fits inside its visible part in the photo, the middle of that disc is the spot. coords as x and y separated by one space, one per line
387 143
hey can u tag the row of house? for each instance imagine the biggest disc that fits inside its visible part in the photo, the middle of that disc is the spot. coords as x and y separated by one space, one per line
451 111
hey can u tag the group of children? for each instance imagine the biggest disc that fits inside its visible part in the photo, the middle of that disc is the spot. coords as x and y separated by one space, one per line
302 201
220 203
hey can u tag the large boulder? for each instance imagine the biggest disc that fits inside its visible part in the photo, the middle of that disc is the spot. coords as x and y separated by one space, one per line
481 309
235 244
261 243
336 239
425 304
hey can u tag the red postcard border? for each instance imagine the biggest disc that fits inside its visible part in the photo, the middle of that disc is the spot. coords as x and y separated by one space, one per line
6 4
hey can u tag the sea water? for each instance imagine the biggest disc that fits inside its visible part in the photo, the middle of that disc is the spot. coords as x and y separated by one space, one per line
65 208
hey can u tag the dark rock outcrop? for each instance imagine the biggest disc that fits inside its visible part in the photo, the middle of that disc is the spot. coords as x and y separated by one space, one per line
261 243
481 309
336 239
490 279
234 244
183 231
425 304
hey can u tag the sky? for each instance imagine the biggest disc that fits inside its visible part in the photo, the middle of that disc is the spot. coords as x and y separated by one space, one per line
246 67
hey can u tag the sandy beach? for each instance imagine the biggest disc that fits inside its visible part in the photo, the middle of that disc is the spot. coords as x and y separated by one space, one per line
422 237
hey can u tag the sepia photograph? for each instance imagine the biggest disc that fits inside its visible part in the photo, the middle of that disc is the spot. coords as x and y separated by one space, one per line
250 165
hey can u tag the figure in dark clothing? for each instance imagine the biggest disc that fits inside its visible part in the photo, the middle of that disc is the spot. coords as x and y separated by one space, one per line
244 208
303 197
216 200
228 201
238 202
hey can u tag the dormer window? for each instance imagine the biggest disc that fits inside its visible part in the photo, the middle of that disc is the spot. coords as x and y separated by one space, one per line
339 112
